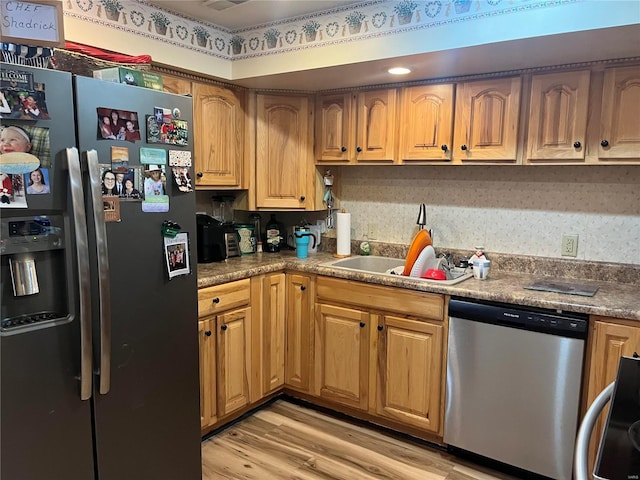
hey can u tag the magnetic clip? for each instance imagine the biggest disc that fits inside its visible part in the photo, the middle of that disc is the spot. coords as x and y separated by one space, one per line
170 229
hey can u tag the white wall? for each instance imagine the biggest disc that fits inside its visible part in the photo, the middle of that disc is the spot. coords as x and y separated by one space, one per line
507 209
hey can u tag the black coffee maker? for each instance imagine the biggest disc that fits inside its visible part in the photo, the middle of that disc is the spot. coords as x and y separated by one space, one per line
217 240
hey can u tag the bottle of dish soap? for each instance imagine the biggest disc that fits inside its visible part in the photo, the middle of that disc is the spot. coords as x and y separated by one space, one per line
273 235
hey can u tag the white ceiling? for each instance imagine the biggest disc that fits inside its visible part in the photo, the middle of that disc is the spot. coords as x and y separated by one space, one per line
576 47
239 14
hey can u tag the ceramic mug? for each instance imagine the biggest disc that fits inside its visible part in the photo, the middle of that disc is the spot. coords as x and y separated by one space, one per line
481 269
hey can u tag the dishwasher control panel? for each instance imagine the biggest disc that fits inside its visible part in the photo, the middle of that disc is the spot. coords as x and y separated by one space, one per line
567 324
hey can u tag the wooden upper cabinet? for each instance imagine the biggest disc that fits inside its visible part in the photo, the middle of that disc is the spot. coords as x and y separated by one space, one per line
284 173
486 124
376 126
354 128
426 123
619 125
218 119
558 117
177 85
335 124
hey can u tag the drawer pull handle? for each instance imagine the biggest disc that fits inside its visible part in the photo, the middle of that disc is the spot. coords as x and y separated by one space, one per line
362 324
208 333
223 328
444 148
215 300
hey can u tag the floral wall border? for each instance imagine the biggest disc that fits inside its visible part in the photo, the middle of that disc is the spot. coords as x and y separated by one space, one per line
355 22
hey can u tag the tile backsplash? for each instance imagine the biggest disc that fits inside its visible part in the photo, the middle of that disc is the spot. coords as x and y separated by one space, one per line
507 209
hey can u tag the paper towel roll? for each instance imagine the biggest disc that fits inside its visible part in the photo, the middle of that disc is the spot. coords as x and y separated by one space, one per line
343 233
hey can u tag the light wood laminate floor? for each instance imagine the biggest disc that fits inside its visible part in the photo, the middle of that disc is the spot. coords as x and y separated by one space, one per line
290 442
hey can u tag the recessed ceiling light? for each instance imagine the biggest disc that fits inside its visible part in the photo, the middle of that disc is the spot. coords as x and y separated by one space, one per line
399 71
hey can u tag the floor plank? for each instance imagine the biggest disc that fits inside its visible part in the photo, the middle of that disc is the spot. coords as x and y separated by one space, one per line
291 442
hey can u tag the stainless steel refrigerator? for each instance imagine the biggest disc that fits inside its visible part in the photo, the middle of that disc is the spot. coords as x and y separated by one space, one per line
98 345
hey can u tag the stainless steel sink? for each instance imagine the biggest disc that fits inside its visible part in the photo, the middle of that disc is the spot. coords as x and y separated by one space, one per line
385 265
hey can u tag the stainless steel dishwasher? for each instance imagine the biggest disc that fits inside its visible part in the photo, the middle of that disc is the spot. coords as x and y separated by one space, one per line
513 384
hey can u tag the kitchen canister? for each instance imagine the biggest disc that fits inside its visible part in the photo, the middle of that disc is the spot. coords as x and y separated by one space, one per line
246 238
481 268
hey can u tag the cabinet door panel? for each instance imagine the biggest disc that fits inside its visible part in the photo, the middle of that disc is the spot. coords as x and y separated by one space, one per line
334 129
376 124
410 372
609 342
342 355
299 332
273 310
218 135
206 335
426 122
558 119
233 360
620 127
487 117
282 159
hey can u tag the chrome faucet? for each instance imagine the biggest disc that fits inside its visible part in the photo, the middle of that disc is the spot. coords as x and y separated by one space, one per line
448 263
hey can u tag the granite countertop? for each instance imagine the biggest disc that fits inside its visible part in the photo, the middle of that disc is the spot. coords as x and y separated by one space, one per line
613 299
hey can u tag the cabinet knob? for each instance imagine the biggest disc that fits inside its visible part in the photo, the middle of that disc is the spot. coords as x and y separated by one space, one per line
344 149
303 288
604 143
215 300
463 147
444 148
635 355
303 198
577 144
208 333
199 174
223 328
380 327
362 324
358 149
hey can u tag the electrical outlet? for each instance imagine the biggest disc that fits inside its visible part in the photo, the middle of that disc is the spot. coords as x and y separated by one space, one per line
372 231
569 245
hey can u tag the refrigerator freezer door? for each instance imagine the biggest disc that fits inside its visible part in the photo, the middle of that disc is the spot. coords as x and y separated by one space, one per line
152 408
45 426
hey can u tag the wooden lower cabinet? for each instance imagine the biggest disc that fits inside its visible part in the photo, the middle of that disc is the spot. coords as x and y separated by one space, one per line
300 298
233 360
207 348
342 355
381 350
225 350
268 308
610 339
409 371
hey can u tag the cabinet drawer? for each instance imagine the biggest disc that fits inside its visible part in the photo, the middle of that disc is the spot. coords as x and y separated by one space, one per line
217 299
389 299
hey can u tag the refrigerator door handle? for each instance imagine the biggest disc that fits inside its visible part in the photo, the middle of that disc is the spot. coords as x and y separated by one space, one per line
82 256
104 286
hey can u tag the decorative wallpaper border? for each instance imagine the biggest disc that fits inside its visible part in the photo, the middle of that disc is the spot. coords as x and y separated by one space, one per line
362 21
